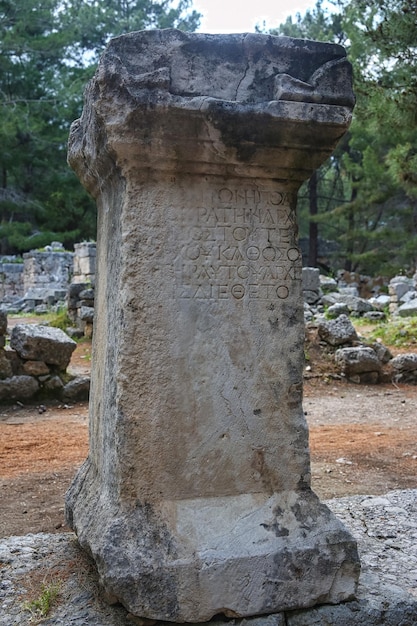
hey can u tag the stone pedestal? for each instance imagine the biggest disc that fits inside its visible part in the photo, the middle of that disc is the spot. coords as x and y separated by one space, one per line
195 498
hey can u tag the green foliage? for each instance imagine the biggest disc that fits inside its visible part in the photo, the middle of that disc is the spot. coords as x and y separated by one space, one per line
48 51
41 606
367 192
396 332
60 319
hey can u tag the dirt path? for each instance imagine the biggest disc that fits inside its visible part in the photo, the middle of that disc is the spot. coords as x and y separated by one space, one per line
363 440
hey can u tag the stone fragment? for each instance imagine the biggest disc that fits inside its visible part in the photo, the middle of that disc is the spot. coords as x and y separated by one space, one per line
195 499
374 316
73 293
77 389
86 313
400 285
328 284
86 294
405 362
53 383
35 368
404 368
353 303
18 388
311 284
3 322
380 302
5 365
356 361
42 343
15 362
383 353
408 309
337 309
338 331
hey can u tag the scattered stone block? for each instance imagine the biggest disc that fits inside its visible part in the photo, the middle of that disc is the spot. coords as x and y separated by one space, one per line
328 284
404 368
18 388
338 331
383 353
380 302
77 389
53 383
408 309
311 284
86 314
337 309
375 316
359 364
353 303
42 343
400 285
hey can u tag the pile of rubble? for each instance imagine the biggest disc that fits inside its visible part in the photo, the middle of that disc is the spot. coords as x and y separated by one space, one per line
328 307
35 363
345 294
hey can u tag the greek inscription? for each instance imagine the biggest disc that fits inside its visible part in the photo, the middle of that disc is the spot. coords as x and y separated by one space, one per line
240 246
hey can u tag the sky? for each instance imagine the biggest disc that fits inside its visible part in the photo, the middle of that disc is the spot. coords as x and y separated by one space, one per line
239 16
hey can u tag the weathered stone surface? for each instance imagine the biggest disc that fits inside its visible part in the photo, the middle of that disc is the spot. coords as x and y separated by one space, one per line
405 362
337 309
358 360
374 316
195 499
3 322
404 368
383 353
47 270
400 285
42 343
86 313
77 389
311 278
5 365
18 388
35 368
338 331
84 262
53 383
353 303
328 284
408 309
381 301
384 527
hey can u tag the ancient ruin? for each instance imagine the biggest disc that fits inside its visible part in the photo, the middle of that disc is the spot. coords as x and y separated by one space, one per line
195 499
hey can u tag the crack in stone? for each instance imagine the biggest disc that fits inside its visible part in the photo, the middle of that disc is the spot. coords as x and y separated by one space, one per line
242 80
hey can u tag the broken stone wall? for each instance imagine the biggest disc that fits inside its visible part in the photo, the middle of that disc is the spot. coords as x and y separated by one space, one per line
11 278
84 269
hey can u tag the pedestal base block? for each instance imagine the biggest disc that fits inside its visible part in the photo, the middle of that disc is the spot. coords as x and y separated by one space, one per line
186 561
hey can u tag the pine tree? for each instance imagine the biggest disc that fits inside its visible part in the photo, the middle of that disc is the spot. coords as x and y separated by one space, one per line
48 51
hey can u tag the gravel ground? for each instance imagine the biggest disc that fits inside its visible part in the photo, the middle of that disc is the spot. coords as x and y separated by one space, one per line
384 526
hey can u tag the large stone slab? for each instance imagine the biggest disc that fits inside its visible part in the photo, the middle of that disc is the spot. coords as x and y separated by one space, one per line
42 343
195 498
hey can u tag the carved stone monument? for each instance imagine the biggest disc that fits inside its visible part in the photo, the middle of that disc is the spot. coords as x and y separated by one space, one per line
195 499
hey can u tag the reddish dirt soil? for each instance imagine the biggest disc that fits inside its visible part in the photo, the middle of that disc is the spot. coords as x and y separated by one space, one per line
362 439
